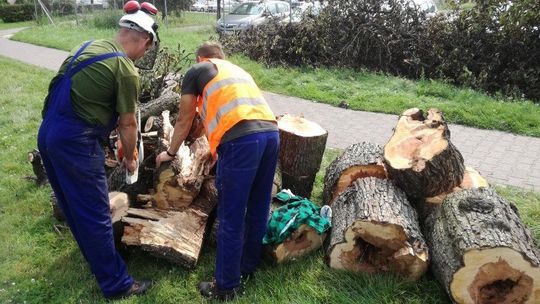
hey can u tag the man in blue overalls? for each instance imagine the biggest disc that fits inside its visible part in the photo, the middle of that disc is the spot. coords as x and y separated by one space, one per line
96 88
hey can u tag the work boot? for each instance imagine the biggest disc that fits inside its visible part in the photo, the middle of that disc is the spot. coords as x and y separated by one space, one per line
137 288
209 290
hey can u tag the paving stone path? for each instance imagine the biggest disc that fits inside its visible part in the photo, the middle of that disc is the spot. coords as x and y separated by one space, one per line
501 157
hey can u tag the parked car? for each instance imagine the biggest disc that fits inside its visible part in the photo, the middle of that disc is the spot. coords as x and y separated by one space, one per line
301 9
198 6
250 14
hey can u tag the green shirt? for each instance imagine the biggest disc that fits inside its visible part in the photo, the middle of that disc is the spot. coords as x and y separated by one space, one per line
102 88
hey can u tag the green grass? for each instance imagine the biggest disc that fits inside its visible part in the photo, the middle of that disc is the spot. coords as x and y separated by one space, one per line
41 263
67 36
5 26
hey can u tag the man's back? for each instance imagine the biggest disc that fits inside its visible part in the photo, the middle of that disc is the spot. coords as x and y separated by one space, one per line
104 87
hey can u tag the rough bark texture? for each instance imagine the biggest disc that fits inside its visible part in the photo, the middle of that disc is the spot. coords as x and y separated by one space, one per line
357 161
420 157
37 166
176 235
301 242
302 145
481 251
166 102
375 229
471 180
177 183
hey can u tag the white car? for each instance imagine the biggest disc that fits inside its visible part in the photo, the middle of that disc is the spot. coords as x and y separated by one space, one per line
199 6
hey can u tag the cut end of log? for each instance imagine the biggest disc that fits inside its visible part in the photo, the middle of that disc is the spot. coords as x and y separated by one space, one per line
496 275
471 180
303 241
379 247
416 140
353 173
300 126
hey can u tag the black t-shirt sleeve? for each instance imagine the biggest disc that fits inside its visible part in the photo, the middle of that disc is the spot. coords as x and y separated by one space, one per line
197 77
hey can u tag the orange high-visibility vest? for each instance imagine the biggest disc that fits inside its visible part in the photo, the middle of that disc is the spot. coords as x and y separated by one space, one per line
230 97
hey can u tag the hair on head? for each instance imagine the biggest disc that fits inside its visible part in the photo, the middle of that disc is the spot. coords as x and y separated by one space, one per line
211 49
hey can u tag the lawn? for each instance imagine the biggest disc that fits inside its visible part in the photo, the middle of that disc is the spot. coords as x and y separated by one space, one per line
41 264
361 90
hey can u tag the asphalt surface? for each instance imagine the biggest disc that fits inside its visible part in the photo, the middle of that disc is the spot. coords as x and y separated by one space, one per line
501 157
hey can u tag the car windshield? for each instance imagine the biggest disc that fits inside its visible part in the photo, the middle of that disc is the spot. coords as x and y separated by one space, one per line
248 9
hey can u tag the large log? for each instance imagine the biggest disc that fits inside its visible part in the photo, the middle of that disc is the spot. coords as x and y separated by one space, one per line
481 251
177 183
166 102
375 229
471 180
176 235
302 144
420 156
357 161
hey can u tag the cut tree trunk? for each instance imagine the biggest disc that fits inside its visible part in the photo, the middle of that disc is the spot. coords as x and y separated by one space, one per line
481 251
375 229
34 157
302 144
357 161
176 235
302 241
166 102
471 180
420 157
177 183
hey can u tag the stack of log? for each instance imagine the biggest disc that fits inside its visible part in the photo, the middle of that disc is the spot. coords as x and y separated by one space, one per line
475 242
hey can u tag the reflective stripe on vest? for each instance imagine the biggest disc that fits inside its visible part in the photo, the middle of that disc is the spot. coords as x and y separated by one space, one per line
230 97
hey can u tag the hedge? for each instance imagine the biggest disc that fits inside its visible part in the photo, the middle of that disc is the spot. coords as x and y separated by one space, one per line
16 12
494 46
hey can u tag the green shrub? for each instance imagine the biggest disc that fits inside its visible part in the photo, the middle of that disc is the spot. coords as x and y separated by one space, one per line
16 12
492 46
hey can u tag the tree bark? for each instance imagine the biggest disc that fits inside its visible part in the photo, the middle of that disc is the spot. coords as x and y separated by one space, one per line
375 229
175 235
420 157
481 251
357 161
166 102
302 145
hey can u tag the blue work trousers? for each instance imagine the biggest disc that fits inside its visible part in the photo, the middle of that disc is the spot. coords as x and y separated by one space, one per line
74 162
245 174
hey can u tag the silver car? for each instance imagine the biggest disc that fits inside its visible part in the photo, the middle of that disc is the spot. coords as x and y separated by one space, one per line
250 14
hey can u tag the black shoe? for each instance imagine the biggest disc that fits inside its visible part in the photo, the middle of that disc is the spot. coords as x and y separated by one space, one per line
137 288
209 290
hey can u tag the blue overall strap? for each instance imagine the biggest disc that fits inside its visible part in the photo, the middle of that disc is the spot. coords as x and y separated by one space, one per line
97 58
85 45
